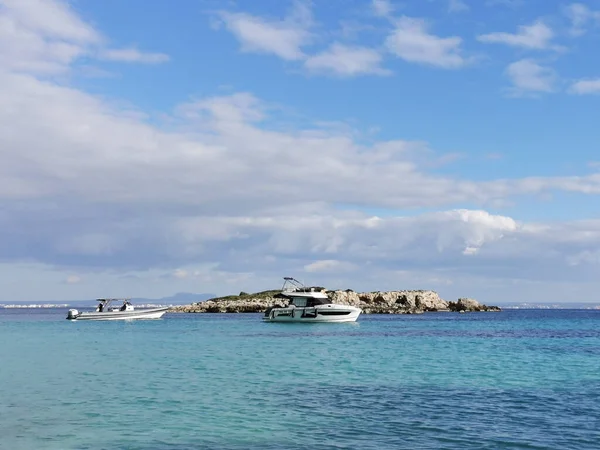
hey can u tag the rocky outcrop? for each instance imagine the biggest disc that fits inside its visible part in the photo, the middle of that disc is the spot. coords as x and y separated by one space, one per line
469 304
391 302
388 302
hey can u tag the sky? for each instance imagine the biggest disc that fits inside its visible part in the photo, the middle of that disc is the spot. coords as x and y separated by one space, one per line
149 148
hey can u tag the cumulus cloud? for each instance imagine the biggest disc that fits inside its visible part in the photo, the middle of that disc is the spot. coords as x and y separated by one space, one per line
412 41
347 60
46 37
583 87
284 38
537 36
42 36
581 16
527 76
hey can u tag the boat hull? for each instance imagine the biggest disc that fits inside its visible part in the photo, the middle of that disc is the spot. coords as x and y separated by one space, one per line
154 313
323 314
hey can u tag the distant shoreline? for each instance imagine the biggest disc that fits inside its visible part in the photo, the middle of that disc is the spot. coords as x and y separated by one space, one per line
150 303
176 309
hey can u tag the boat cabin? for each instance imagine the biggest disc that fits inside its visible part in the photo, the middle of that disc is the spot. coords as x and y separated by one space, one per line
301 296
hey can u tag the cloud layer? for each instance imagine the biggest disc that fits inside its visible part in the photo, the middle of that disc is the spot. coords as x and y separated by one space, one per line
215 189
116 192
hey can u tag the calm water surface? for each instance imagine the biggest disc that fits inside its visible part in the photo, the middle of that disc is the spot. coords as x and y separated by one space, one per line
515 380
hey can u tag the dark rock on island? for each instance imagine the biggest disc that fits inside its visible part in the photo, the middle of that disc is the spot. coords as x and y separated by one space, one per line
380 302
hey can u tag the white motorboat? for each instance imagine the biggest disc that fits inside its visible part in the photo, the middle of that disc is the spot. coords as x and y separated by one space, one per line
104 311
307 305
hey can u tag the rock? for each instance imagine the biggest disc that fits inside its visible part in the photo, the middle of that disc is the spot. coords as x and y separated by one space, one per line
380 302
469 304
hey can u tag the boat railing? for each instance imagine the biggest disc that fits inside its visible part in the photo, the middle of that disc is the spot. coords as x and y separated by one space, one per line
292 285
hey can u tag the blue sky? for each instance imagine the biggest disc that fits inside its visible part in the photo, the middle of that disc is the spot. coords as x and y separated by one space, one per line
157 147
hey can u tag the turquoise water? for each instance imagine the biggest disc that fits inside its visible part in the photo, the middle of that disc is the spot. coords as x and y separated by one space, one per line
516 379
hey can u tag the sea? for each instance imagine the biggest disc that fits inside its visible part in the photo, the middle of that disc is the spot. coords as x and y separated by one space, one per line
516 379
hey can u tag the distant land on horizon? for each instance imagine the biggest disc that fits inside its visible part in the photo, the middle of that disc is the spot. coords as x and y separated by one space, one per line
550 305
179 298
183 298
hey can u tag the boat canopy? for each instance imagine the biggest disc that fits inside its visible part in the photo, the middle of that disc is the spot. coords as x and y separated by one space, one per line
108 301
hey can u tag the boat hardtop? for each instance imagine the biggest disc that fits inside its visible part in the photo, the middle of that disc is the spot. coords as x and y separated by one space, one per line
293 289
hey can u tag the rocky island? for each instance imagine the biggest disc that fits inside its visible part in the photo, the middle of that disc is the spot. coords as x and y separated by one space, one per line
389 302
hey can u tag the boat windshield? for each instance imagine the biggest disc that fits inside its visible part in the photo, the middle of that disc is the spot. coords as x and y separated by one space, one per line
302 302
318 301
105 304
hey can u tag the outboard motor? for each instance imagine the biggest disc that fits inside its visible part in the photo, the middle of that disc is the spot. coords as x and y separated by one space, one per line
72 314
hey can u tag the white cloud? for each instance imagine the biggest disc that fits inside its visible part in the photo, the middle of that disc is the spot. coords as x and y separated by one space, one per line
583 87
133 55
460 252
580 16
42 36
347 60
412 42
527 76
382 8
448 245
352 237
456 6
103 152
536 36
284 38
52 19
47 37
